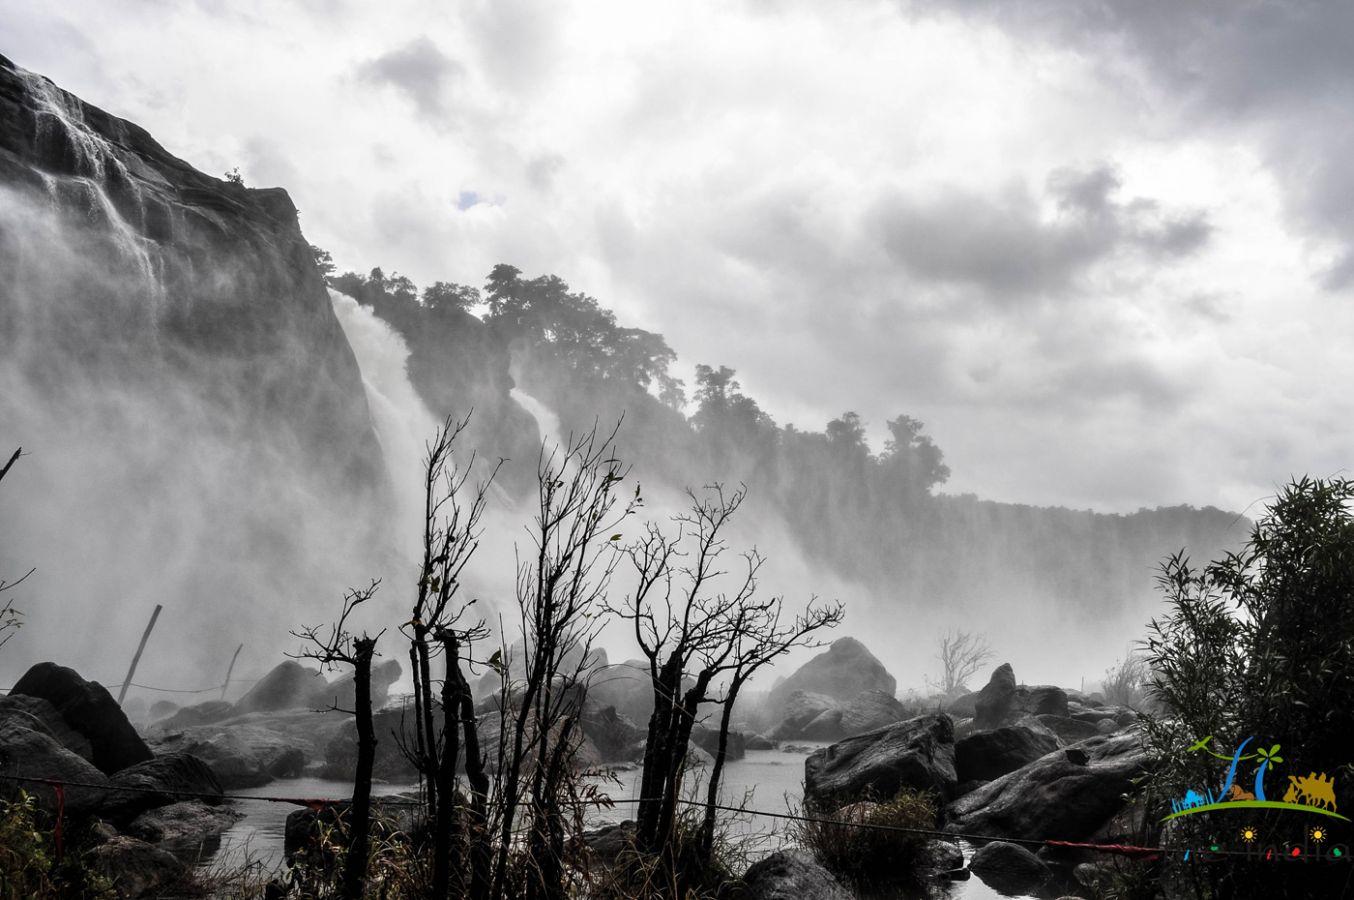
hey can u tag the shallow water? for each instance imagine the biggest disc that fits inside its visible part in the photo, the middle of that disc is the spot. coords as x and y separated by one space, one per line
770 781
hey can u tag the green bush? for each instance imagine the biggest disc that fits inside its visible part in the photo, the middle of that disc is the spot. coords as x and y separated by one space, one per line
1258 644
29 868
850 845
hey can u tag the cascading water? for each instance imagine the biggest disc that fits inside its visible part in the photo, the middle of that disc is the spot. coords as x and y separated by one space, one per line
546 420
403 423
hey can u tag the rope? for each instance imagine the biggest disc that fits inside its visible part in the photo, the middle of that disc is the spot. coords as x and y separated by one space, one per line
318 804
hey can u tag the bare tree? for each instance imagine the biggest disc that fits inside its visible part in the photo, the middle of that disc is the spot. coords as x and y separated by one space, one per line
561 586
694 636
962 654
338 647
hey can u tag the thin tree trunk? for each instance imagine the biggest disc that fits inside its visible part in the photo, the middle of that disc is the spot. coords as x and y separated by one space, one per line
445 825
478 819
707 838
359 823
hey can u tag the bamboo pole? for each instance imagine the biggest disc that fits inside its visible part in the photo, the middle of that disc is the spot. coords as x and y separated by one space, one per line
127 682
230 669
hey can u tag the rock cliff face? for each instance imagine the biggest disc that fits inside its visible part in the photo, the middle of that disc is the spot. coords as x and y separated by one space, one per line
172 364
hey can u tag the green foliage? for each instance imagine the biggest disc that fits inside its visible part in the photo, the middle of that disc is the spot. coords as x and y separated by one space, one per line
29 869
856 845
1260 644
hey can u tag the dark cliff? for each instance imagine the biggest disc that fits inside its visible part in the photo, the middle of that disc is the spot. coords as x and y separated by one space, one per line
194 421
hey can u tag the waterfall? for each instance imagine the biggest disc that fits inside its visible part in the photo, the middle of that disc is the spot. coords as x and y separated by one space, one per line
402 422
547 423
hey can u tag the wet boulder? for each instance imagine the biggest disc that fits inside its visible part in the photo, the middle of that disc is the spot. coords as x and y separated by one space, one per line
1010 868
1068 730
993 704
616 738
707 739
843 671
135 868
819 717
198 714
161 782
991 754
28 750
342 694
88 708
37 712
183 826
289 685
916 754
791 875
1067 794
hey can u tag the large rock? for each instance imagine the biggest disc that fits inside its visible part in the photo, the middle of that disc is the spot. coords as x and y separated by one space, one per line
1010 868
183 826
991 754
616 738
846 669
1069 730
289 685
135 868
341 693
916 754
253 749
707 739
1067 794
791 875
819 717
28 750
993 704
162 781
35 710
1040 700
89 709
198 714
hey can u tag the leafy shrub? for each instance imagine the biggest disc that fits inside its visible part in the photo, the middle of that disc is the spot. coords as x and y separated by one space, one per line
29 868
851 844
1259 644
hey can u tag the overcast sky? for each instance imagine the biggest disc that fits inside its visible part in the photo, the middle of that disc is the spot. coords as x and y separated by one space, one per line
1107 257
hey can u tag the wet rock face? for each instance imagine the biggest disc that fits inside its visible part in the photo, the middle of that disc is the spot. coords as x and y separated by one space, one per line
916 754
27 749
1067 794
991 754
87 708
1010 868
791 875
845 670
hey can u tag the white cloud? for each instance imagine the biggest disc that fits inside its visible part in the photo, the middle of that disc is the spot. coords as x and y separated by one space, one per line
851 205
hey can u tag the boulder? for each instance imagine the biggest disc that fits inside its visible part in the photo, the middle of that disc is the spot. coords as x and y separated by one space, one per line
341 693
1039 700
846 669
1069 730
182 825
707 739
1010 868
942 856
607 843
1067 794
916 754
136 868
624 686
799 709
199 714
289 685
392 727
160 782
88 708
253 749
391 815
163 709
818 717
991 754
965 706
28 750
791 875
992 707
616 738
37 711
758 742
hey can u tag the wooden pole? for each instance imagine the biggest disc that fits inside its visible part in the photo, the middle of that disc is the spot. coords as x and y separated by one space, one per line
230 669
127 682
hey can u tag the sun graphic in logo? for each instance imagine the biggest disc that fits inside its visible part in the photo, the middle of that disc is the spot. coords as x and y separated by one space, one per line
1249 834
1318 833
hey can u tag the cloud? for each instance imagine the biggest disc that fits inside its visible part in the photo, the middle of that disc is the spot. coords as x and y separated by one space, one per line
1008 246
418 70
